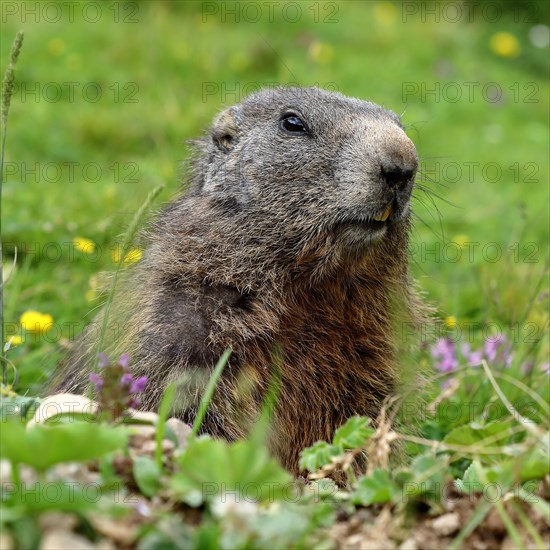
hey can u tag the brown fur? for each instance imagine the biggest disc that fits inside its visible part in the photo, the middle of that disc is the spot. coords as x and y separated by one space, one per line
266 254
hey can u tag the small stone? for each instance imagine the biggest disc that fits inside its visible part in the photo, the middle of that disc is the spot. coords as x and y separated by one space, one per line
6 542
67 404
149 447
409 544
181 430
5 471
447 524
64 540
57 521
121 532
139 434
144 416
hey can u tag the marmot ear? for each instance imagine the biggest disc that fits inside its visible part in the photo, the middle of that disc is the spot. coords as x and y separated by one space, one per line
225 130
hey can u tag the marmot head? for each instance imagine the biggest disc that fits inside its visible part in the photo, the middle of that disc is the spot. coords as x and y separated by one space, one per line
303 165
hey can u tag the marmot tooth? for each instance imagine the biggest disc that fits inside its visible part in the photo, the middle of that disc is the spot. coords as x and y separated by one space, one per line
385 215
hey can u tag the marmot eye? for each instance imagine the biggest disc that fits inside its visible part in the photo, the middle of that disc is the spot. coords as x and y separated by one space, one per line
293 124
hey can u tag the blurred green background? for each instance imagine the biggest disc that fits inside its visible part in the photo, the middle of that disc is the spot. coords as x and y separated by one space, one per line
108 93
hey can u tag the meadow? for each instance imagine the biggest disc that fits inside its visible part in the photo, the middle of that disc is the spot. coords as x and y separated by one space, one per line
106 95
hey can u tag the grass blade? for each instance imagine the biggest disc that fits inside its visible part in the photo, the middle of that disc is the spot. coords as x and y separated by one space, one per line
164 411
206 398
8 89
128 239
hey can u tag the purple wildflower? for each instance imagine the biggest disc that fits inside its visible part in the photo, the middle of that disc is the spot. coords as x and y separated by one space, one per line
103 360
116 389
492 346
545 367
473 357
135 402
97 381
508 357
126 380
124 360
138 386
497 348
445 351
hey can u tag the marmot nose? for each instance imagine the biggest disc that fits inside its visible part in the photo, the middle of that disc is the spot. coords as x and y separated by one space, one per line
397 174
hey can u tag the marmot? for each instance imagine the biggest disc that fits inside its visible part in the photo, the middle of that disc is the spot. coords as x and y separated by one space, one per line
290 246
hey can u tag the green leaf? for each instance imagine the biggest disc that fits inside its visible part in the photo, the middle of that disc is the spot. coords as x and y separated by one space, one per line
353 434
475 434
375 488
318 455
157 541
26 532
168 534
530 465
469 483
147 475
287 525
208 536
109 477
535 463
213 467
425 477
42 446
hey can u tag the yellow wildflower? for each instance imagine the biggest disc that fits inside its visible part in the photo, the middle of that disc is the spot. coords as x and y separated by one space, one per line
7 391
83 244
460 240
321 52
36 322
505 44
450 322
15 340
133 255
385 13
93 291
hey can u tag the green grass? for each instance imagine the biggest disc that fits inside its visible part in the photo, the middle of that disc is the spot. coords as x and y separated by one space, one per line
166 60
172 55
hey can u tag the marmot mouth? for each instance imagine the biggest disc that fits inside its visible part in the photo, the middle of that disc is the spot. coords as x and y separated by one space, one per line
368 222
368 225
